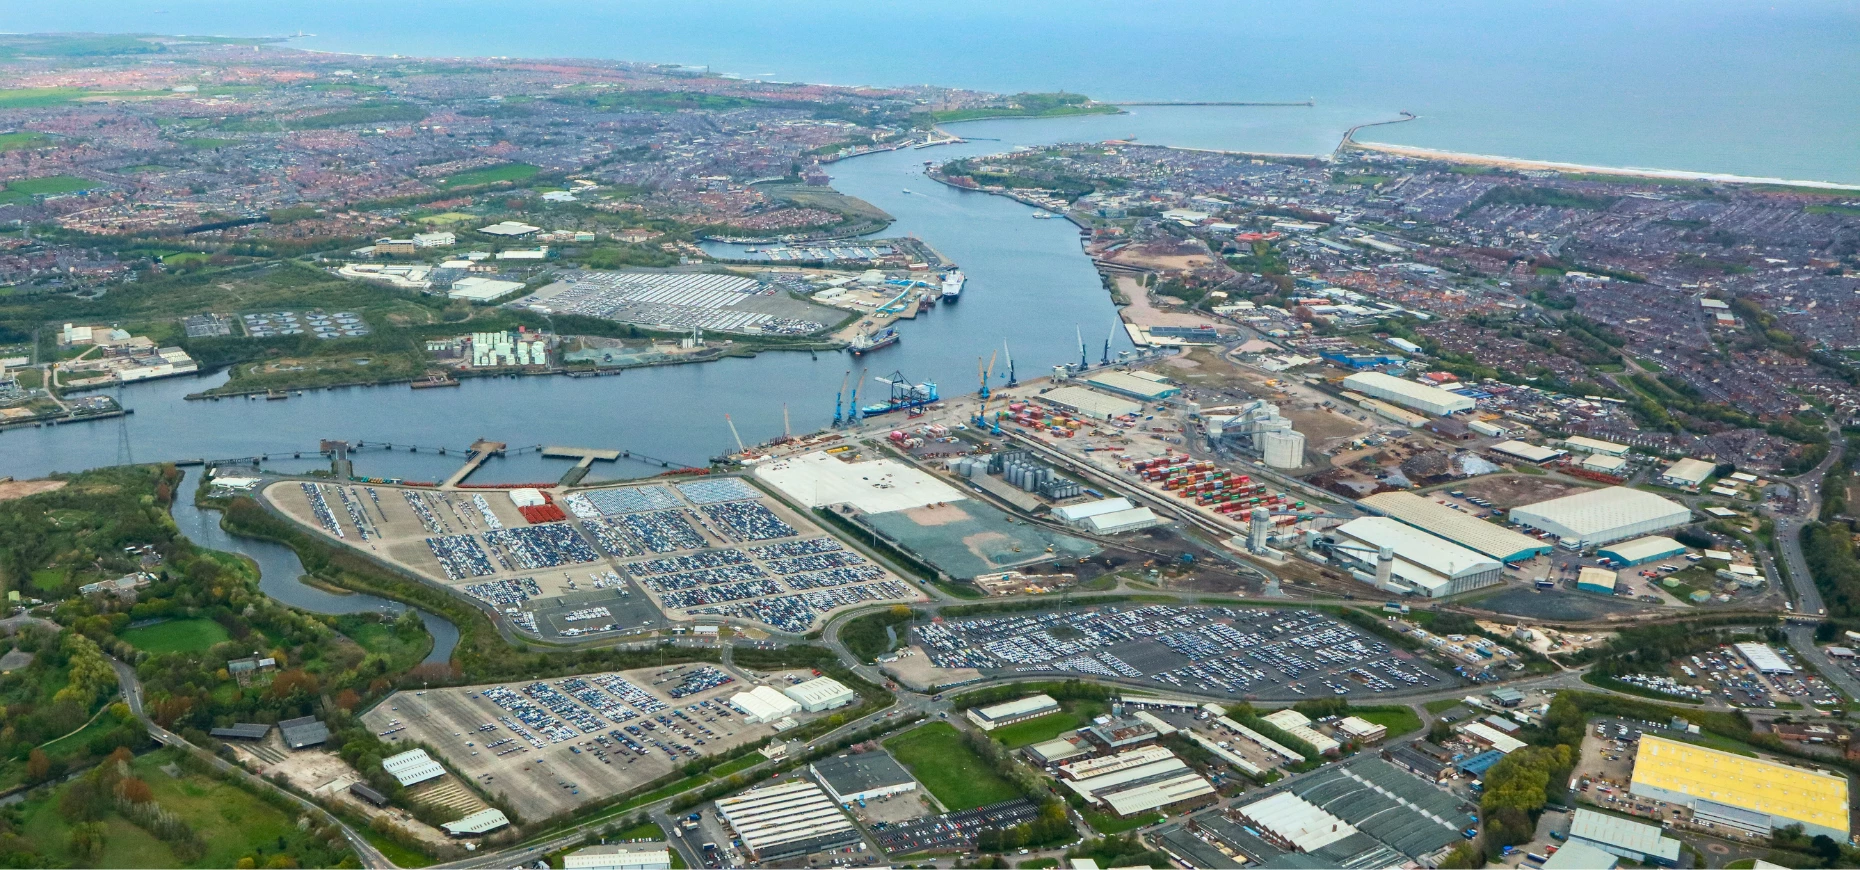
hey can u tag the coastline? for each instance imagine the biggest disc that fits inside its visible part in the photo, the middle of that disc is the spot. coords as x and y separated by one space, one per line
1523 164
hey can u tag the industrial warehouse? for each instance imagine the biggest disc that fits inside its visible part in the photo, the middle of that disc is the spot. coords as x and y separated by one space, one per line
1435 518
1740 793
1430 400
791 818
1422 564
1602 516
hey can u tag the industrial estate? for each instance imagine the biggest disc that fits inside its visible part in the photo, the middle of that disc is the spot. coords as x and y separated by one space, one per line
1390 533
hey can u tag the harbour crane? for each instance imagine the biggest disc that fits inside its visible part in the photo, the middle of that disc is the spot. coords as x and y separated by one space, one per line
787 431
852 406
739 439
1107 346
1083 363
836 398
985 372
1010 361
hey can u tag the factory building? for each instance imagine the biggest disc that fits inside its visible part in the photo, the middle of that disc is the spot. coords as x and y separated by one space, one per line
821 693
1602 463
477 824
763 704
620 856
1139 385
1602 516
1136 781
1088 404
1584 444
1740 793
1362 730
412 767
1688 473
1598 580
1074 515
1299 725
1431 400
996 715
1526 451
1423 564
1763 658
863 777
1437 519
1623 838
1642 550
1364 813
792 818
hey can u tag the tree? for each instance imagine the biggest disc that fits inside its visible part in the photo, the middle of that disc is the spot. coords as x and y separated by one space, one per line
135 791
1440 732
38 766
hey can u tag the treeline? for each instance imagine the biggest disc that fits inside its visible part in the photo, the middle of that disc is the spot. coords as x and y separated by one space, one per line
1068 690
874 634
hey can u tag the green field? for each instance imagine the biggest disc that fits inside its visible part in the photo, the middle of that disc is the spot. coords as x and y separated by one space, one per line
35 98
489 175
177 635
1399 720
959 778
49 185
1073 715
231 822
22 140
1442 705
1111 823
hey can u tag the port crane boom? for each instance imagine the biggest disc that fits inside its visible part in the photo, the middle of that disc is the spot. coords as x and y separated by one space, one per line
1010 361
739 439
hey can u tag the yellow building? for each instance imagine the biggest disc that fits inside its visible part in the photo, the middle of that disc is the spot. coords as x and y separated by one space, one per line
1738 792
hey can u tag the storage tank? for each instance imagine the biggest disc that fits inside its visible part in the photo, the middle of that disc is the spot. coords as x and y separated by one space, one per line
1283 449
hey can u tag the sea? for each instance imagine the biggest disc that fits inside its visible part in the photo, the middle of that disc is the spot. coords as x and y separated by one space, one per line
1743 88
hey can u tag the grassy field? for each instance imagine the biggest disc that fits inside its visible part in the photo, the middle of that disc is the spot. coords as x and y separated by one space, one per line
49 185
959 778
489 175
232 823
35 98
177 635
1072 715
1442 705
403 650
1399 720
1111 823
22 140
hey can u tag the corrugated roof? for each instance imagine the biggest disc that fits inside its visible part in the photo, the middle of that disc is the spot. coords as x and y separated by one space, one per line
413 766
1438 519
1642 549
1019 707
481 822
1429 551
1526 451
1600 510
1408 390
1089 402
1788 793
1623 833
1582 856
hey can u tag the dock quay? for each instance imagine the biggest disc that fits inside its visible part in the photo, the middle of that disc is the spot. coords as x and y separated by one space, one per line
585 458
481 450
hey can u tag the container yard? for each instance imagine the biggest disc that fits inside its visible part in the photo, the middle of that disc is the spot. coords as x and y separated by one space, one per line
548 746
1266 653
606 562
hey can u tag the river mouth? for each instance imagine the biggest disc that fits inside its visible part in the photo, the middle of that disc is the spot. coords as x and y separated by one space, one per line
279 573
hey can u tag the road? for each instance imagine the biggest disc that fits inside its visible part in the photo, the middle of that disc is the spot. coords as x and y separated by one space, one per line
131 687
1804 595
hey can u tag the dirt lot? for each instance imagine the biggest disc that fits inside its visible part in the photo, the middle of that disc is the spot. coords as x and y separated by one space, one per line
325 775
1216 381
1510 490
915 670
563 774
13 489
1145 312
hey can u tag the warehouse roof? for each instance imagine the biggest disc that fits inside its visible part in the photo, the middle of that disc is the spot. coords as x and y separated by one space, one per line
1145 388
1020 707
481 822
1690 472
1764 659
764 703
1408 390
412 766
1605 463
867 771
1075 512
1601 578
1577 855
771 817
304 731
1595 445
1492 737
242 731
819 690
1186 785
1498 542
1785 792
1136 517
1623 833
619 856
1090 403
1297 821
1599 510
1432 552
875 486
1641 549
1526 451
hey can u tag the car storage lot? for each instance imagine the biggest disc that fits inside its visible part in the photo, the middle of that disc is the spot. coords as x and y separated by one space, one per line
583 725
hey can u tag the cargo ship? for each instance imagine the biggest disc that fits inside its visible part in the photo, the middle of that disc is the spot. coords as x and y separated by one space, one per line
952 285
865 343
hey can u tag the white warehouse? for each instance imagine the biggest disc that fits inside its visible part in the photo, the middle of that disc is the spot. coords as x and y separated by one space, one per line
1420 397
1424 564
821 693
1602 516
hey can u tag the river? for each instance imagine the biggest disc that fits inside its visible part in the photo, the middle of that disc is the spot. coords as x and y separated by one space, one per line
279 573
